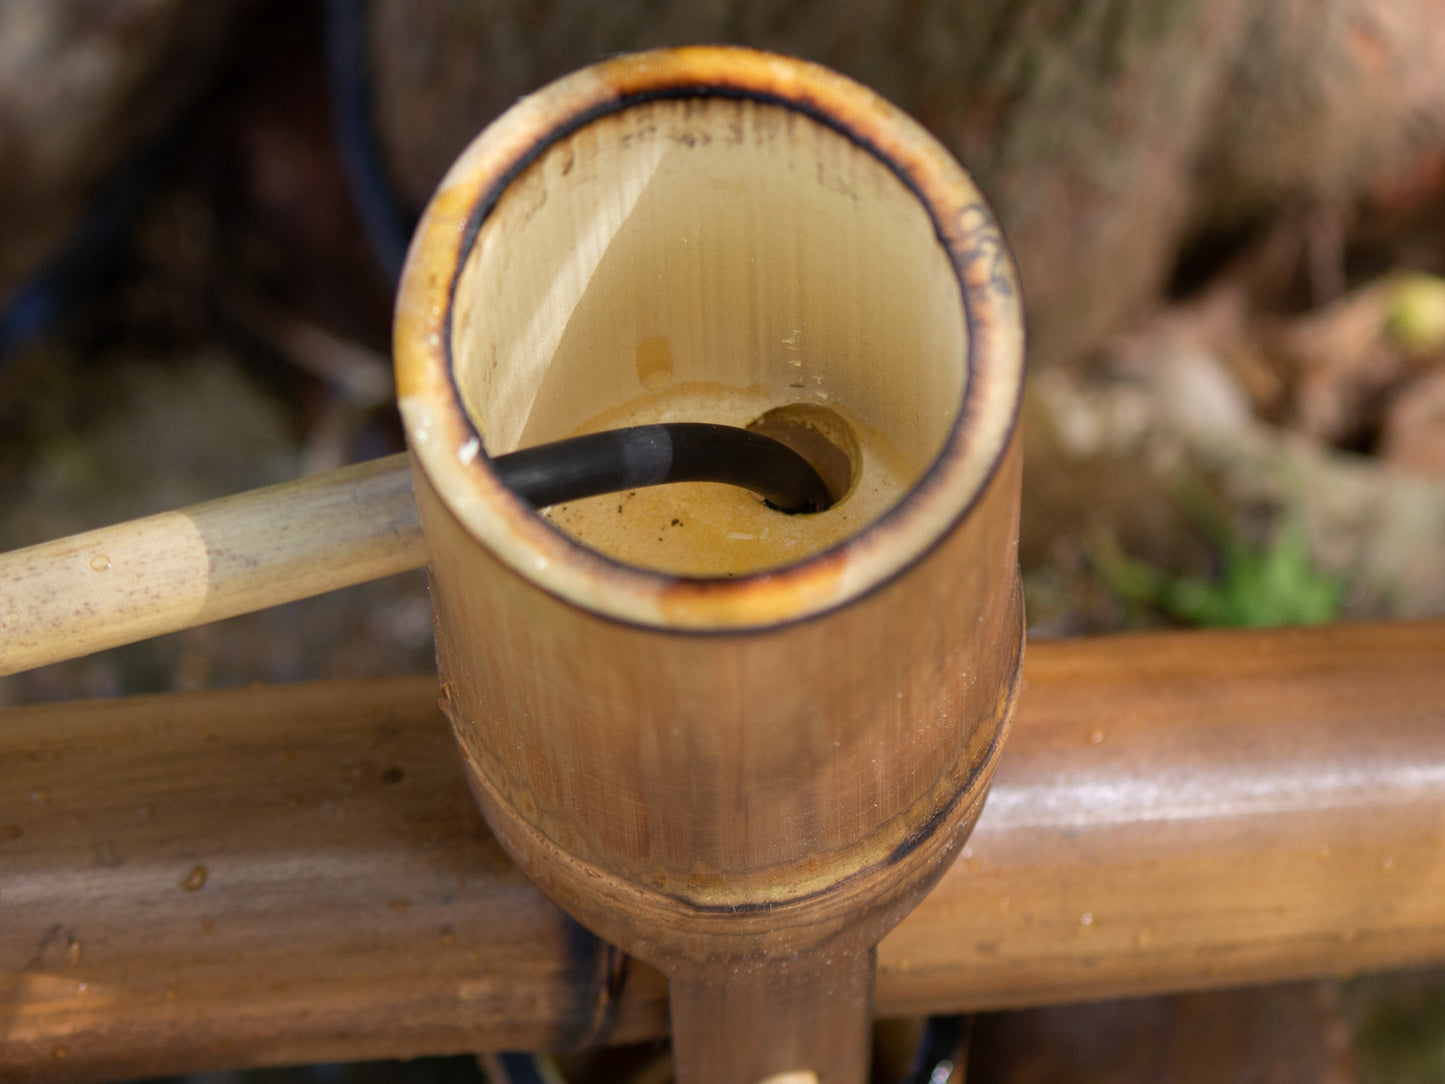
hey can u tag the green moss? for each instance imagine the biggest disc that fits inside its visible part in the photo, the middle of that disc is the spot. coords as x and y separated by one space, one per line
1402 1039
1257 587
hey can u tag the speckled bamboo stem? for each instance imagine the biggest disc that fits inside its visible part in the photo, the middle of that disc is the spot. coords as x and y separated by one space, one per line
134 580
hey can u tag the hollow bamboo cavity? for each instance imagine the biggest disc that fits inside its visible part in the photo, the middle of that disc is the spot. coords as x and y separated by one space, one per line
743 780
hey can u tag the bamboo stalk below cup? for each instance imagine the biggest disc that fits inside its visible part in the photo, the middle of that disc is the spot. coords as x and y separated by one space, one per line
128 582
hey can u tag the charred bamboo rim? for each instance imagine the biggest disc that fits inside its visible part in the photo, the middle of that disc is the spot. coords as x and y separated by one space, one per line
450 451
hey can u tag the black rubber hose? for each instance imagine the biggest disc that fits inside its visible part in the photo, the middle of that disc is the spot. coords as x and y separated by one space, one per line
944 1044
386 226
650 455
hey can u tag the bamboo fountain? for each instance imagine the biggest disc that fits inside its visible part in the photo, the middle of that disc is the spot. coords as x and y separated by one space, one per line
740 746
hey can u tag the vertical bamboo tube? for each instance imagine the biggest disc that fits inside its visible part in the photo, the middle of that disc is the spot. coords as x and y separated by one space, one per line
745 780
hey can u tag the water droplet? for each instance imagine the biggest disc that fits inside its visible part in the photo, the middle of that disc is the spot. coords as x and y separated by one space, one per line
82 987
100 563
40 797
1387 863
195 880
1097 737
59 1052
73 952
1086 919
469 451
1324 852
1004 903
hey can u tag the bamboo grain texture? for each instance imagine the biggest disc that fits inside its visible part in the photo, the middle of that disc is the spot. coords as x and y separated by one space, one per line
235 555
287 875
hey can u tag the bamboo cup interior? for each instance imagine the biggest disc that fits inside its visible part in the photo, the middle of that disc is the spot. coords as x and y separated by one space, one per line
696 220
708 241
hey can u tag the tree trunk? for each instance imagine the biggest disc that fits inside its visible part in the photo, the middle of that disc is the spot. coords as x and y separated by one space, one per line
1104 132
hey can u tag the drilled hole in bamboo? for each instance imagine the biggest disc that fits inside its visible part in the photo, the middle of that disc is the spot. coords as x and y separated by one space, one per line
821 436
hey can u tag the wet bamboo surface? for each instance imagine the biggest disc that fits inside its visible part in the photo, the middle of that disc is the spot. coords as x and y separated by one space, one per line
281 875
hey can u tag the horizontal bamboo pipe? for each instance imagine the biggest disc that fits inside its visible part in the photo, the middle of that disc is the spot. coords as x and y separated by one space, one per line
116 585
299 874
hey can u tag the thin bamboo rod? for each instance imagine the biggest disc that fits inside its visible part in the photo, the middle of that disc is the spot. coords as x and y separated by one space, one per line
299 874
131 581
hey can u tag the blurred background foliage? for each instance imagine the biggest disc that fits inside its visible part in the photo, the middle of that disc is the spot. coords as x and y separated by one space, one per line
1229 219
